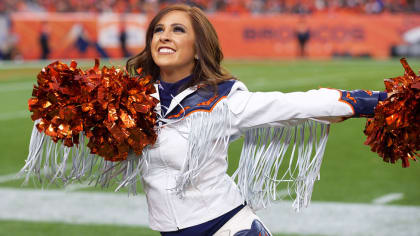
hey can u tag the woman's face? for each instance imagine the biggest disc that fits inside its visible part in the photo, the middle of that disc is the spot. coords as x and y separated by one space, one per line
173 43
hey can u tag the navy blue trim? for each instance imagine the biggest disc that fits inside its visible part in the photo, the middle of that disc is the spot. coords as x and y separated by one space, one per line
363 102
203 99
169 90
383 96
208 228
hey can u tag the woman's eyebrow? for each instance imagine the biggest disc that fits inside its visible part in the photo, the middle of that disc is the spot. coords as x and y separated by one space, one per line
172 25
178 24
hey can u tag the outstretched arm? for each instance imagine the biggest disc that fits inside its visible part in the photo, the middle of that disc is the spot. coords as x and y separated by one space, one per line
264 109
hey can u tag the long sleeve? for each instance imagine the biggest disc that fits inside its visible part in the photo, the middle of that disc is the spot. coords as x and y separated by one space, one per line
275 109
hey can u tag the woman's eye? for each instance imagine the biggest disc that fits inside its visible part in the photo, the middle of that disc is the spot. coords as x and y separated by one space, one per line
179 29
158 29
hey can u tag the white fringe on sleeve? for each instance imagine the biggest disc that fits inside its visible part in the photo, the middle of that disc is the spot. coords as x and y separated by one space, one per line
51 162
264 167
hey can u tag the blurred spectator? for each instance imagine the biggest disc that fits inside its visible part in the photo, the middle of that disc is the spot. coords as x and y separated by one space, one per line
8 40
149 6
303 35
123 39
81 40
374 6
229 6
44 41
237 7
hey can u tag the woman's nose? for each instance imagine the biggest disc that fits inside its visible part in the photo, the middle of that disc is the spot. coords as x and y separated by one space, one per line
165 37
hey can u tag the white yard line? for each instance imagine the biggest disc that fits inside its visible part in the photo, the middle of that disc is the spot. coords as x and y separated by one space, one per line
72 207
116 208
15 115
344 219
388 198
10 177
77 186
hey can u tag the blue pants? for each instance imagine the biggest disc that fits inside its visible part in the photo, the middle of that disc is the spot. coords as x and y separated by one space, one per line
205 229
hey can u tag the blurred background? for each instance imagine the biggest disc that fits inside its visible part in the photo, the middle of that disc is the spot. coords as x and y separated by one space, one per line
282 45
46 29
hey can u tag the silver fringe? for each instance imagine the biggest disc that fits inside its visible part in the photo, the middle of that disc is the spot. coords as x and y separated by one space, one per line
263 165
51 162
211 125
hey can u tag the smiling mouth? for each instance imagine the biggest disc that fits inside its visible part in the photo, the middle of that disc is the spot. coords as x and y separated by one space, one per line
166 50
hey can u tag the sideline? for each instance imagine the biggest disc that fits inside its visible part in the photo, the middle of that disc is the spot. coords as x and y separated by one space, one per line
387 198
10 177
322 218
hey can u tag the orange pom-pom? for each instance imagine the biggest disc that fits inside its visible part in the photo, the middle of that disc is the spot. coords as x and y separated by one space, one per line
115 111
394 131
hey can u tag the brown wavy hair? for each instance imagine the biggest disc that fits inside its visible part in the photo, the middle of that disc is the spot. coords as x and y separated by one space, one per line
207 69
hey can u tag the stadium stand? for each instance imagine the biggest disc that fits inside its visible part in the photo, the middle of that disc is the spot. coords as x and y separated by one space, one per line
44 29
229 6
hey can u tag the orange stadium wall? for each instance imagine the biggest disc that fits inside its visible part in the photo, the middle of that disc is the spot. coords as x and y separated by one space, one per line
241 36
62 31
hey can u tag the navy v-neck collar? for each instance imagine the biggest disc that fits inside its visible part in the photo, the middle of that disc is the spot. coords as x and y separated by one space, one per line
167 91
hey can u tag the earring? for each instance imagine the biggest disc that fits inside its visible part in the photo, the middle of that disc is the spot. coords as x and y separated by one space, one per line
196 57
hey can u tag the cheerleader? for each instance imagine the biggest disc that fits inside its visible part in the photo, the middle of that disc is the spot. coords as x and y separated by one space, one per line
202 109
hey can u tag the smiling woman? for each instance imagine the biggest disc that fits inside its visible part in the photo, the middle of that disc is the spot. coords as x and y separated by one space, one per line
180 39
173 48
202 109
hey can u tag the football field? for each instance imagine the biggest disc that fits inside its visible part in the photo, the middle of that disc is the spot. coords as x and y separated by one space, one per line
358 193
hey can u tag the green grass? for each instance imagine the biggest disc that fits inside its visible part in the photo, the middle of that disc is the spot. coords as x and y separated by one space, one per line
350 172
21 228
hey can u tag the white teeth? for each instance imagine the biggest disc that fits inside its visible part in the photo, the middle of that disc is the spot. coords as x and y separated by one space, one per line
166 50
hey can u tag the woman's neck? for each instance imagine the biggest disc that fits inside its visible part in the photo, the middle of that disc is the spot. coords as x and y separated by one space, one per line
172 76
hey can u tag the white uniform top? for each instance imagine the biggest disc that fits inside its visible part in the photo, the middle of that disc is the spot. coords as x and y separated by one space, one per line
215 193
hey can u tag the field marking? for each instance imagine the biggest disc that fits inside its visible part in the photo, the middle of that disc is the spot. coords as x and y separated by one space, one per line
16 86
77 186
72 207
10 177
14 115
116 208
15 176
388 198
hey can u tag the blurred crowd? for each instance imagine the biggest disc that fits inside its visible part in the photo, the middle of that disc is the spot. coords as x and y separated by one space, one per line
9 39
210 6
